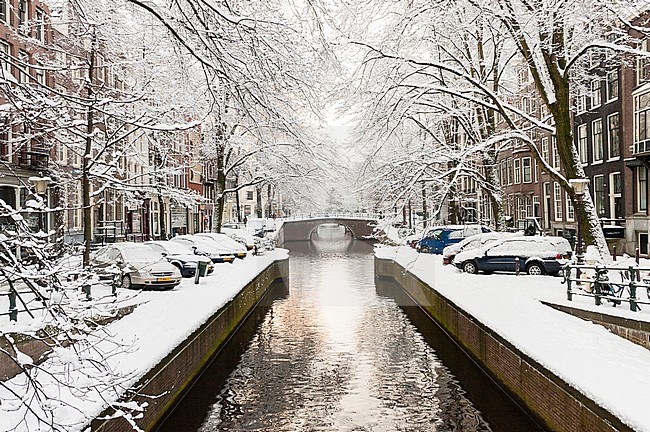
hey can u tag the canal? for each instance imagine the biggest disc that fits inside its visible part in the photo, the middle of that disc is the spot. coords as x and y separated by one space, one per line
338 352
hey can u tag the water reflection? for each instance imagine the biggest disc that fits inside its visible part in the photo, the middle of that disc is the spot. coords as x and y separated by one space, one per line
336 356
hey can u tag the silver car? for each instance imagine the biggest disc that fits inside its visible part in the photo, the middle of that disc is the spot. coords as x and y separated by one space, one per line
138 266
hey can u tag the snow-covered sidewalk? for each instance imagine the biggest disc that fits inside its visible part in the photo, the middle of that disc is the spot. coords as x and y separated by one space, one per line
612 371
159 323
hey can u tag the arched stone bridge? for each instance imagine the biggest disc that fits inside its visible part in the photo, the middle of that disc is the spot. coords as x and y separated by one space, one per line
302 229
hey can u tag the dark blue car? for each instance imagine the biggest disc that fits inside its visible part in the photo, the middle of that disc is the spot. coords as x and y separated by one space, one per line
436 239
535 255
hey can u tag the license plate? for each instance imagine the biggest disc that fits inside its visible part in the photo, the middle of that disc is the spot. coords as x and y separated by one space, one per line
164 279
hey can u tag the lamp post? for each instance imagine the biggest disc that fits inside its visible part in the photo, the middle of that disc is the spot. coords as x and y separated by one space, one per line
579 186
40 185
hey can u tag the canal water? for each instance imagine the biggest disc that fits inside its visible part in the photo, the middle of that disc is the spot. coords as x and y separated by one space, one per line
336 351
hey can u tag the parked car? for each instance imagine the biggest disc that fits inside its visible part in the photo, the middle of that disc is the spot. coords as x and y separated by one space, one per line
435 239
235 248
413 240
240 235
181 256
140 266
205 246
260 226
472 242
536 255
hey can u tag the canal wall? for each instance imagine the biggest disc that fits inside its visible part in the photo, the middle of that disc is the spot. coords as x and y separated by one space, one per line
167 382
559 406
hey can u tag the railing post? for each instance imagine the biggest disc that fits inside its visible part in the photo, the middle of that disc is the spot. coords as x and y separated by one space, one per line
567 275
517 266
634 306
597 288
13 310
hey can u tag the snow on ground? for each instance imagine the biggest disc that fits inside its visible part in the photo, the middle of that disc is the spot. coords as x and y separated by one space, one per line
610 370
161 321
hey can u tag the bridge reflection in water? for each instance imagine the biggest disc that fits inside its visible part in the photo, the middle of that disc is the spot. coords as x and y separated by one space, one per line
341 354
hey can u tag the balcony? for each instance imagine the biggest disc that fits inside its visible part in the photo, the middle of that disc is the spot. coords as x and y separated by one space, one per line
641 147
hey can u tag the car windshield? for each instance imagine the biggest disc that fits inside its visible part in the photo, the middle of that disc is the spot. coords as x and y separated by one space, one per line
140 255
175 248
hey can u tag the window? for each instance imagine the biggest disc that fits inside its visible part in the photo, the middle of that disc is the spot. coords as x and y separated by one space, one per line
536 206
23 71
556 155
582 143
642 123
642 189
545 149
249 195
5 52
522 75
595 93
597 139
509 162
643 243
599 195
40 76
612 85
22 16
557 198
570 212
615 196
5 142
517 171
643 64
581 103
526 165
40 25
4 16
613 140
504 174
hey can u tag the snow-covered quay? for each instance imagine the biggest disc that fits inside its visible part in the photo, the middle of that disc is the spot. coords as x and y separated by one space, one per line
160 322
607 369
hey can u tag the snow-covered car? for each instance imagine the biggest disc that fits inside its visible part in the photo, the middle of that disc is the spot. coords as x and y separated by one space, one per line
257 225
137 264
436 238
535 255
412 240
205 246
240 235
472 242
233 247
181 256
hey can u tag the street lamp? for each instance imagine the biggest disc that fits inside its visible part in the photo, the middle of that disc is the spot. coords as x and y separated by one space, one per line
579 188
40 185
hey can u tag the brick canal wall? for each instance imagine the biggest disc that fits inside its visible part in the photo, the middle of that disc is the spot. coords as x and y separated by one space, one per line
174 374
558 405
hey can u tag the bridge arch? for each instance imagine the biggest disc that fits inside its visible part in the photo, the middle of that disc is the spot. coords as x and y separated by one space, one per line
302 229
347 226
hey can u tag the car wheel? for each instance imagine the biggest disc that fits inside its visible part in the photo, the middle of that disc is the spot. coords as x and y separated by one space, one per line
535 269
424 249
126 282
470 267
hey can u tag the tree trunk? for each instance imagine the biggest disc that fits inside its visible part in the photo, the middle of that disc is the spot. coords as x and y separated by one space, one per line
237 202
260 209
269 198
87 157
219 195
424 206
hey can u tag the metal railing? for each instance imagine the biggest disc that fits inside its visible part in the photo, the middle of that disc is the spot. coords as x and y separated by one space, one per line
14 296
26 297
602 285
